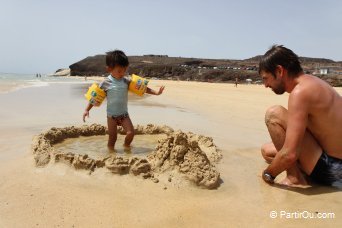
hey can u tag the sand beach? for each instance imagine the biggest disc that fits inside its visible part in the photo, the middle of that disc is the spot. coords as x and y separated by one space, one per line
58 196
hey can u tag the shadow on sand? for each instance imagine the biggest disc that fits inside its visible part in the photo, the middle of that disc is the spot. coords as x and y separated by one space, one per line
313 189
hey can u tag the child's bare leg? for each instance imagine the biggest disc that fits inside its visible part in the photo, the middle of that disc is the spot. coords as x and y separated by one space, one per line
129 129
112 132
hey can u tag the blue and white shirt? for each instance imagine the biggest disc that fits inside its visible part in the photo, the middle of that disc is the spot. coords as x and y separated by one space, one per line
117 95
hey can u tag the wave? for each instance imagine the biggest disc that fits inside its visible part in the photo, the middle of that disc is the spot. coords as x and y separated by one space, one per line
10 82
14 86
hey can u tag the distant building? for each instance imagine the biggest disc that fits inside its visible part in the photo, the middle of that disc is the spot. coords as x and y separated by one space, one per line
152 55
323 71
249 81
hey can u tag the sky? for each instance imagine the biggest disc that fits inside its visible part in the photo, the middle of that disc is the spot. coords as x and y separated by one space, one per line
41 36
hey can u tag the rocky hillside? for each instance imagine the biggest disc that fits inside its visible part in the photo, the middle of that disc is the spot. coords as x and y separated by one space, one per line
210 70
164 67
303 60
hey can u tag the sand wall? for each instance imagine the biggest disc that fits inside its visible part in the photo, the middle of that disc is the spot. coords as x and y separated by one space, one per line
192 156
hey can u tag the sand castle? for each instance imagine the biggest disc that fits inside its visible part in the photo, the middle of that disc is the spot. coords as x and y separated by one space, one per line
190 155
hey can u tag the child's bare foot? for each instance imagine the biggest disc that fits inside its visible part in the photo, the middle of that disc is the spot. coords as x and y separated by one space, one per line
111 149
127 149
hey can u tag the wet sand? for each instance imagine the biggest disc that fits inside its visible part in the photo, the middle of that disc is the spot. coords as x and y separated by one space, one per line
59 196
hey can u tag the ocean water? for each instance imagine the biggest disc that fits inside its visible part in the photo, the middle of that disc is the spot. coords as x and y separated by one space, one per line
11 82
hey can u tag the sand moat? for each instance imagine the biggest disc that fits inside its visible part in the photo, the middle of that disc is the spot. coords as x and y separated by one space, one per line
187 155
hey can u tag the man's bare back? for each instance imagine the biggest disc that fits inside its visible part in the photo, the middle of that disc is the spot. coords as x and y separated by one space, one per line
324 112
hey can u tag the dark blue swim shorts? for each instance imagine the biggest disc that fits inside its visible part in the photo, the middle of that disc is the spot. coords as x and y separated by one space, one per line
328 170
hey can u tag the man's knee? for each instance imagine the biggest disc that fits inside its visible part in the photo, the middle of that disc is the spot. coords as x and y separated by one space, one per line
274 114
264 150
268 152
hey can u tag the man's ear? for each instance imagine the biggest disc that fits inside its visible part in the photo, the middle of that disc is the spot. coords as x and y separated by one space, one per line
280 70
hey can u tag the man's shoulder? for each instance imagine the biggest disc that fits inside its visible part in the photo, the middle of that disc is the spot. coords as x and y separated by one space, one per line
311 90
308 84
311 81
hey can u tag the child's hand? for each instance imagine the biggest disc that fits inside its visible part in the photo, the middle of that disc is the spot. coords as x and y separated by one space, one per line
85 114
161 89
153 92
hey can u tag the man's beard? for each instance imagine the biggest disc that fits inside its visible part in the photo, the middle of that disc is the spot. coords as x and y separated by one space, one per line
280 89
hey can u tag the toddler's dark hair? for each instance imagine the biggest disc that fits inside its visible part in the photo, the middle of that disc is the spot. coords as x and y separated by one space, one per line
116 57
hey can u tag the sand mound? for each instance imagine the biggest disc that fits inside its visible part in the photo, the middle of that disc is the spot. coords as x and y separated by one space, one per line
190 154
182 151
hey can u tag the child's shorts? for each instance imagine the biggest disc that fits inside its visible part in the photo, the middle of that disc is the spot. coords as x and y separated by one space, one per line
120 118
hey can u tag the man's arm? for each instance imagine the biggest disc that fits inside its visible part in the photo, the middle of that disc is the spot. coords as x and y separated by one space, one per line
298 105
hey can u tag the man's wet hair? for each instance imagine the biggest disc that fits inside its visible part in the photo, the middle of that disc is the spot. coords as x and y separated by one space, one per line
116 58
280 55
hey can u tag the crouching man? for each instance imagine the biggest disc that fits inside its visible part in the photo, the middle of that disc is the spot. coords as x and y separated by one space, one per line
306 137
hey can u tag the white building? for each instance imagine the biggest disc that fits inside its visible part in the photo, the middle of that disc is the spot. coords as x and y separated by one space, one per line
324 71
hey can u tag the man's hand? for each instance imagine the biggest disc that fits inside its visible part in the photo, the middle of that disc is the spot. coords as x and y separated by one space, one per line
85 114
267 177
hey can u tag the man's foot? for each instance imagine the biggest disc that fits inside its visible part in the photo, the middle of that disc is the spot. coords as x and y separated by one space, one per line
294 181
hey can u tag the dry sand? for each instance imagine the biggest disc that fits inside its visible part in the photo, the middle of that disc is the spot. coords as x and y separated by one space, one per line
58 196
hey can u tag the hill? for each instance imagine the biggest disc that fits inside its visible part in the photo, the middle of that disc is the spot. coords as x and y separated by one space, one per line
209 70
